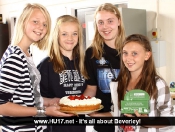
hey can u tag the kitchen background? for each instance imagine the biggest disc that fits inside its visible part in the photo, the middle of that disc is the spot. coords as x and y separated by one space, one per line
158 23
159 15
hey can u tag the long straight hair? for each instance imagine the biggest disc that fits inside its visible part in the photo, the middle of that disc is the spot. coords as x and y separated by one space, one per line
54 52
148 75
98 41
23 20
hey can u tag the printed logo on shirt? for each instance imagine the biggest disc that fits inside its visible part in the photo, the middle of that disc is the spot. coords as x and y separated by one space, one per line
102 61
70 76
73 80
105 76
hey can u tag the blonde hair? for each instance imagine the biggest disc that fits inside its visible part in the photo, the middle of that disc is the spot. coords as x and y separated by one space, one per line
23 19
54 52
98 41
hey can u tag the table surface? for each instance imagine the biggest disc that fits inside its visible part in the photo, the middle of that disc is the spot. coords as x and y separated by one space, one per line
172 95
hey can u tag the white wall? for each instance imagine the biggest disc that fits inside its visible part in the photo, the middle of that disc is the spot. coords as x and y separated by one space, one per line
165 21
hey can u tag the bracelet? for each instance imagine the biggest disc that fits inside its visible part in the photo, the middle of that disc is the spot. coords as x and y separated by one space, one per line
40 111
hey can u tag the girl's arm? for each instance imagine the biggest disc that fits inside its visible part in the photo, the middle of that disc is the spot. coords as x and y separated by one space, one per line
90 90
50 101
15 110
11 109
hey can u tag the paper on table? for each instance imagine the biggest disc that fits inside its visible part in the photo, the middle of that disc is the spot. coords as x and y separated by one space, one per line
114 96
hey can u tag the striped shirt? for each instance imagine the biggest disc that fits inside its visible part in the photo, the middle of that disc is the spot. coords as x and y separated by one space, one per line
15 84
161 107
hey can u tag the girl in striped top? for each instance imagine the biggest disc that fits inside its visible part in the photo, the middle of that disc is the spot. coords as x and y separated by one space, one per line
19 78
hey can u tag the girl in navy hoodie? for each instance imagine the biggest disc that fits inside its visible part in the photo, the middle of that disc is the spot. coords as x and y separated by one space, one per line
63 72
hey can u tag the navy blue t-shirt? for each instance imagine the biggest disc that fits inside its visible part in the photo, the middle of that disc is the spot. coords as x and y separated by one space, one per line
68 82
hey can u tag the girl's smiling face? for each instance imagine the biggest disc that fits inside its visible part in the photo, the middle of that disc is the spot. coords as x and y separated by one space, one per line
107 24
134 56
68 37
36 26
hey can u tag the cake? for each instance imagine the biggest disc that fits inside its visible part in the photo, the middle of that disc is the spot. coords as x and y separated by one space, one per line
79 103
